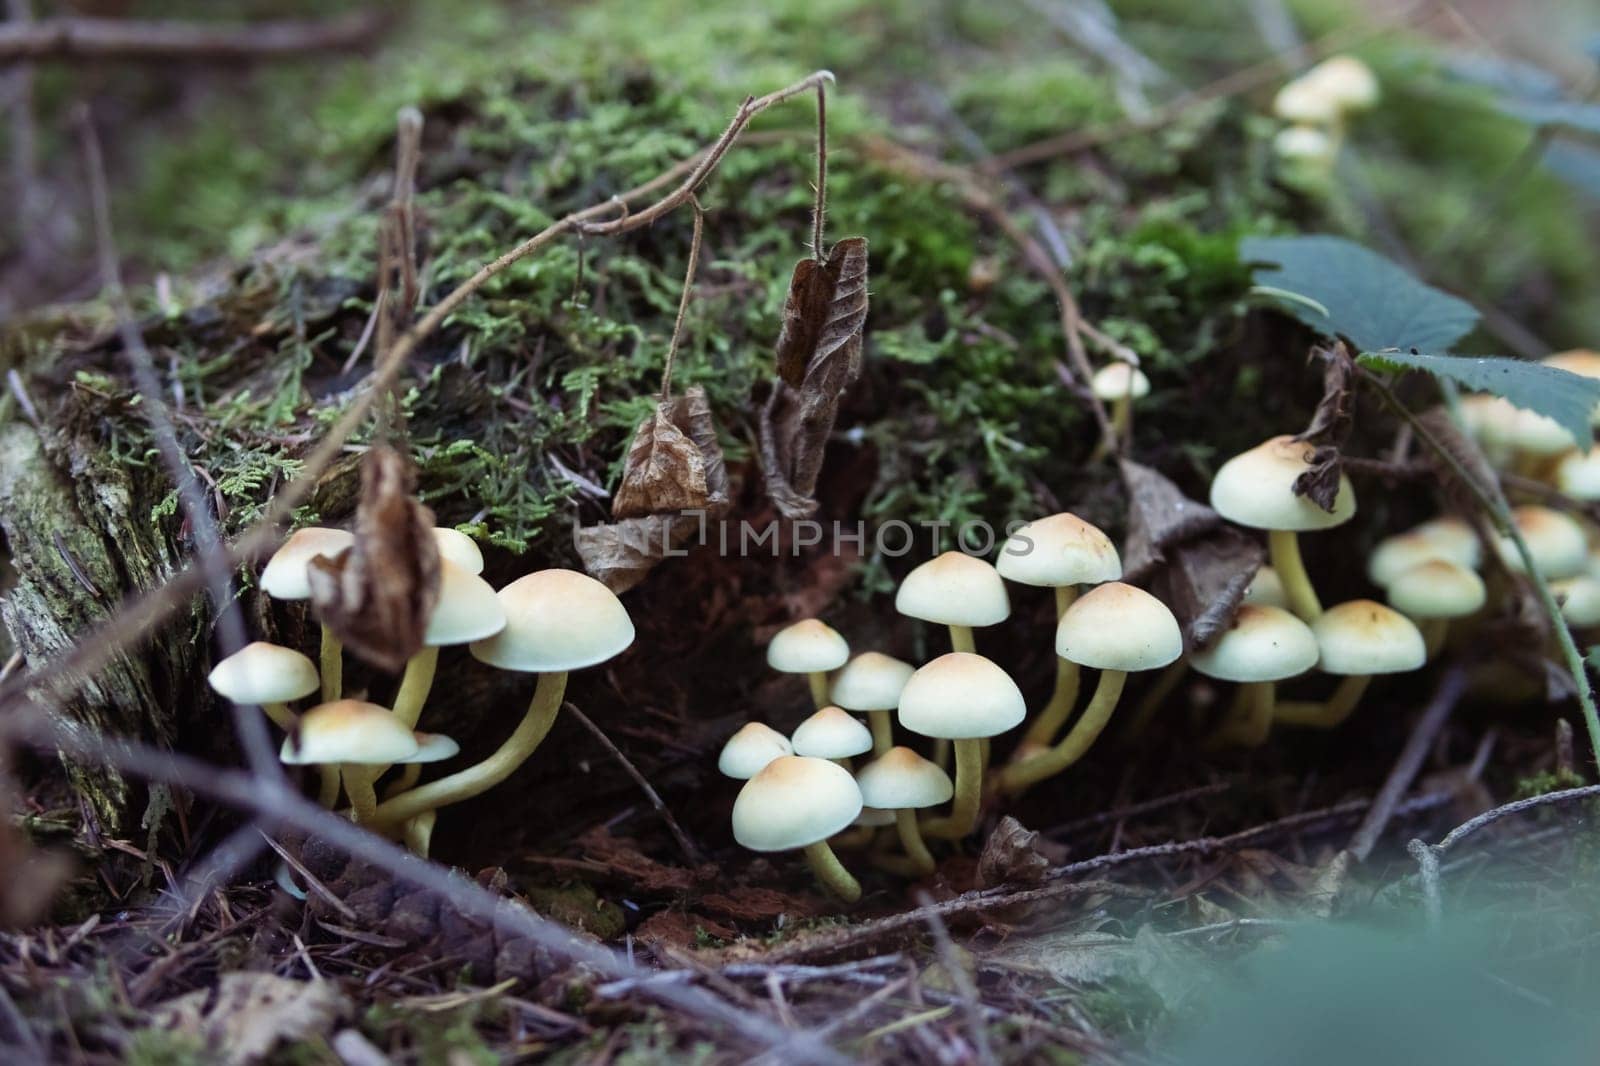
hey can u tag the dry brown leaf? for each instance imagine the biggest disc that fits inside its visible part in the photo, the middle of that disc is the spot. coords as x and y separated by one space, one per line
1330 427
248 1014
1160 516
818 356
377 595
665 471
1206 579
1011 856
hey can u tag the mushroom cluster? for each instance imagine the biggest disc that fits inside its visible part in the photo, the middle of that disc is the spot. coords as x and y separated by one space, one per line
1315 108
548 623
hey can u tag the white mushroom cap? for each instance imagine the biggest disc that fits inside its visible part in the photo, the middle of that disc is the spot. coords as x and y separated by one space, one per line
284 576
1555 540
1578 474
1266 589
1347 80
1263 644
749 750
1304 101
1256 488
1395 555
900 779
1579 598
1057 551
960 696
351 731
1456 536
1361 638
1119 627
556 620
870 682
831 734
1437 588
874 818
1536 435
264 673
1304 143
807 647
954 589
1492 422
433 747
1117 380
456 547
794 801
467 608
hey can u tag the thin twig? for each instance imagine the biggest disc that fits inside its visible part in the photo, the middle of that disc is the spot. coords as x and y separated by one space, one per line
1448 693
1428 868
1488 818
408 151
820 205
130 39
961 980
683 300
685 845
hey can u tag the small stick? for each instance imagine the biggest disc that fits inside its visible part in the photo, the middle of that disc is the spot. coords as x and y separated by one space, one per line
1451 685
131 39
685 845
820 207
978 1031
683 301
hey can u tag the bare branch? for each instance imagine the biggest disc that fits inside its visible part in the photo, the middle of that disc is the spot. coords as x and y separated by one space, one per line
685 845
127 39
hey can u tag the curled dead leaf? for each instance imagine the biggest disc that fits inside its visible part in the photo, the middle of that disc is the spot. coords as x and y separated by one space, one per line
1011 856
249 1014
1160 516
1330 427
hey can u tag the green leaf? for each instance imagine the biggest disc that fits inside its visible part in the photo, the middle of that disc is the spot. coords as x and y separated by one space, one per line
1374 303
1562 114
1557 394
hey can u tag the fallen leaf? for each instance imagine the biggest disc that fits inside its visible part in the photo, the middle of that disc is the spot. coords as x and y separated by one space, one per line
1160 516
666 467
1011 856
1078 958
248 1014
1206 579
377 595
1330 427
818 356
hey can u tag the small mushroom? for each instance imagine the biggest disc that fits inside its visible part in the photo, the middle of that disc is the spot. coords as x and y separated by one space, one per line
1456 538
965 698
797 802
1119 384
1357 640
954 590
1578 475
1434 592
284 578
1060 552
1256 489
272 676
1266 590
458 548
1555 541
556 621
812 648
1345 80
749 750
1579 598
467 610
904 782
871 684
1116 629
1263 646
831 734
1395 555
353 735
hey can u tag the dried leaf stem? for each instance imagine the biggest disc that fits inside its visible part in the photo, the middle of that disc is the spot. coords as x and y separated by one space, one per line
820 207
683 301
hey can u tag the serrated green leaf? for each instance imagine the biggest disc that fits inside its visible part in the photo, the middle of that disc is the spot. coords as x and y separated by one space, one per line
1372 302
1557 394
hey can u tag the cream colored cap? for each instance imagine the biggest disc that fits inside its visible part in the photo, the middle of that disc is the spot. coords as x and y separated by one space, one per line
749 750
1304 101
1119 627
831 734
1360 638
1346 79
456 547
954 589
1115 381
1263 644
900 779
1491 421
352 731
1581 362
284 576
467 608
1395 555
264 673
807 647
1304 143
870 682
1059 550
794 801
1266 589
1437 588
1555 540
1456 536
1578 474
556 620
960 696
1536 435
1256 488
433 747
1579 598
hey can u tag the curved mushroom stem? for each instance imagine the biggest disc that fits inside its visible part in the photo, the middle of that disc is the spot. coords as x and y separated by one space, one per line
905 821
819 688
941 753
1121 418
332 666
961 639
1250 720
882 731
1042 732
358 786
858 836
1283 546
831 872
419 833
1154 699
963 817
1434 631
415 686
1019 776
328 786
1331 713
405 782
464 784
281 716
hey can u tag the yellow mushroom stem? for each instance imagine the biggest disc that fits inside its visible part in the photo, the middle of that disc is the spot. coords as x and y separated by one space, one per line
415 686
358 786
963 817
281 716
961 639
1071 748
332 666
1042 732
482 776
831 872
857 836
819 688
419 833
882 731
1249 720
1328 714
406 781
328 786
905 821
1121 420
1434 630
1283 545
